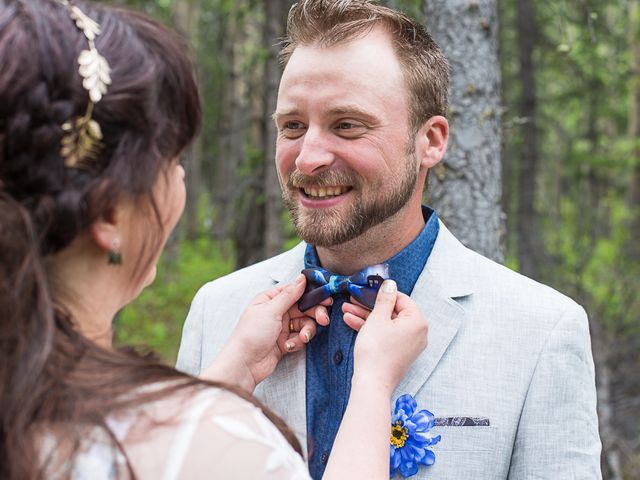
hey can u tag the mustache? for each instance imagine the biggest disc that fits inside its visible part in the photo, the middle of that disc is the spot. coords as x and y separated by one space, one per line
328 178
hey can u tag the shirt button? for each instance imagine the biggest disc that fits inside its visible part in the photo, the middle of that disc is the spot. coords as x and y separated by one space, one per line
337 357
325 457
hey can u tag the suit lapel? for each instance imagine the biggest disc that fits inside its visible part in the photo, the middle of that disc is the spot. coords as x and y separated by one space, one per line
445 317
285 389
445 278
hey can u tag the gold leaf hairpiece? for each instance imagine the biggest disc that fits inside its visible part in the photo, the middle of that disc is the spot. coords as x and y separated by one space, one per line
82 140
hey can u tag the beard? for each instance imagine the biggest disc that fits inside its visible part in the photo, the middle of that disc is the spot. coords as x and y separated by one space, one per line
328 227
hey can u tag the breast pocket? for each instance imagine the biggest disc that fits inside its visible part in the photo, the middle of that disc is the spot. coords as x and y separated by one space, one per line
465 439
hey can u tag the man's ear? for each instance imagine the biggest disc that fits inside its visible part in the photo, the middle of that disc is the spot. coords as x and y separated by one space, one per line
431 141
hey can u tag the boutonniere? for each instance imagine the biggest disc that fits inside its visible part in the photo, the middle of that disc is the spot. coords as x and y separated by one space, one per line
410 437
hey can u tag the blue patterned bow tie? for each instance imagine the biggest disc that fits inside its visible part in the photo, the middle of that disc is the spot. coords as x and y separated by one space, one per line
363 286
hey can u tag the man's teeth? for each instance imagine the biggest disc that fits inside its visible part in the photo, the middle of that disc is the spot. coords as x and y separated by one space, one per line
321 192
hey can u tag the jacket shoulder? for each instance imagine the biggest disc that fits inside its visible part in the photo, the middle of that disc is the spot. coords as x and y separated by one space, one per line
257 277
492 277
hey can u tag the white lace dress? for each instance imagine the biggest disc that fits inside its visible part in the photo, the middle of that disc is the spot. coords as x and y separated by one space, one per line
198 434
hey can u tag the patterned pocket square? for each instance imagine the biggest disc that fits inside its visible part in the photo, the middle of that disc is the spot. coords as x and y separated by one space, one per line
462 422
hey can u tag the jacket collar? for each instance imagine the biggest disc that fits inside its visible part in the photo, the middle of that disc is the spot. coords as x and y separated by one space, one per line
447 269
446 278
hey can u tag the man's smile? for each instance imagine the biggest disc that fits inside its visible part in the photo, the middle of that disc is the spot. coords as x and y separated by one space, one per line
320 193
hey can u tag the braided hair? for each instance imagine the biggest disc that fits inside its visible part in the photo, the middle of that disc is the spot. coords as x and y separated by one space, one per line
49 373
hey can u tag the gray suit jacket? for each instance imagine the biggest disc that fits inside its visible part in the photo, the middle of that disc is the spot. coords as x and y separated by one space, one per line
501 348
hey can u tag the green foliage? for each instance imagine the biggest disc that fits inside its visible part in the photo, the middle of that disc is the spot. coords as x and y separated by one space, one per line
583 67
585 77
160 9
587 157
155 318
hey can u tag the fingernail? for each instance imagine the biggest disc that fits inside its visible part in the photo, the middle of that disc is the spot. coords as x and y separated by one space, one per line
299 278
307 335
389 286
290 346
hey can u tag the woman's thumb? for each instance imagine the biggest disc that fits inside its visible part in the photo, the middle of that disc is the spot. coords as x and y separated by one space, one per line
289 295
386 299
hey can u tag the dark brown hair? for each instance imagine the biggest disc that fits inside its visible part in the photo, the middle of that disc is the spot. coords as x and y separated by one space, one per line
330 22
50 375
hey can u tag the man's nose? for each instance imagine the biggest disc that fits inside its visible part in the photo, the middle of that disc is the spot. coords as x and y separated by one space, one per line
315 154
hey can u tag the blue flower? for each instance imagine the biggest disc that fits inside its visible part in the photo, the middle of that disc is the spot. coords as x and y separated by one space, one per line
410 438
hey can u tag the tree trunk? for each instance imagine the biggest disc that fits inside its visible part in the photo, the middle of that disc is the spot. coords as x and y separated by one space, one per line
185 17
612 463
249 205
530 245
466 188
274 29
234 128
634 131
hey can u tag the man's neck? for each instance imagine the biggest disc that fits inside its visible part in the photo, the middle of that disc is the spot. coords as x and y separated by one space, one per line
376 245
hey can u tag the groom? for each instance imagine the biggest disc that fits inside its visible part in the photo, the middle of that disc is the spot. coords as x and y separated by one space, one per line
508 369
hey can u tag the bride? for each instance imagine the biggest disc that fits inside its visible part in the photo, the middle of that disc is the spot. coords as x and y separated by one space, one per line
96 106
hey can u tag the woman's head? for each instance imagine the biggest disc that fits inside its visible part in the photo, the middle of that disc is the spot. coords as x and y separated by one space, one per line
53 210
149 114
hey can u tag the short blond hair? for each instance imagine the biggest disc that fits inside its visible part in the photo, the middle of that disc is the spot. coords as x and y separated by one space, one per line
330 22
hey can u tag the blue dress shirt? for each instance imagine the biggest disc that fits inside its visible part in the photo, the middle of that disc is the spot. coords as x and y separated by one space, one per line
330 353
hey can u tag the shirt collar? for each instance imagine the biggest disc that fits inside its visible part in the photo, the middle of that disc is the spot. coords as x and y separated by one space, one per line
406 266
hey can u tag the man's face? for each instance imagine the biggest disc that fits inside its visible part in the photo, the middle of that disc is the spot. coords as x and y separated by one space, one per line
344 153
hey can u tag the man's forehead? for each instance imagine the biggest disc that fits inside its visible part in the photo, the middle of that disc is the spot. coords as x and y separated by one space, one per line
364 96
337 109
313 72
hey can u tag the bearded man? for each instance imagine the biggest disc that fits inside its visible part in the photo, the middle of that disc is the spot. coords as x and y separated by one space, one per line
508 370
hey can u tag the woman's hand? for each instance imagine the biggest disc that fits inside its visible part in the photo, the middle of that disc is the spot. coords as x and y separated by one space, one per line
392 337
270 327
355 314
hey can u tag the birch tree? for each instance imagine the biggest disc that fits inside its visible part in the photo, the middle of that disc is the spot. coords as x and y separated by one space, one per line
466 188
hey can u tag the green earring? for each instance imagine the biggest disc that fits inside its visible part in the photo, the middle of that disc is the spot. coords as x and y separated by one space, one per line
114 257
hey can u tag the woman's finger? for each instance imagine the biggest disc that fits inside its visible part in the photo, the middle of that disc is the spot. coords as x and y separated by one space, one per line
356 309
386 300
307 329
404 305
268 295
288 295
290 343
321 315
353 321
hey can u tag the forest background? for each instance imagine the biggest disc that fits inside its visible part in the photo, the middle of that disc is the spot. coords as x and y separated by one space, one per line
543 171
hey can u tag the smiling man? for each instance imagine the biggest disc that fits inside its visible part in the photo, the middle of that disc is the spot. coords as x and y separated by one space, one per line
508 371
347 156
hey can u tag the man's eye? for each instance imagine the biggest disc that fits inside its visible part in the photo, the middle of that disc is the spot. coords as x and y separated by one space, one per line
349 129
292 129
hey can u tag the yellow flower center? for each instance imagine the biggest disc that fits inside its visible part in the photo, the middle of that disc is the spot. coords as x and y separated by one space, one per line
399 434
